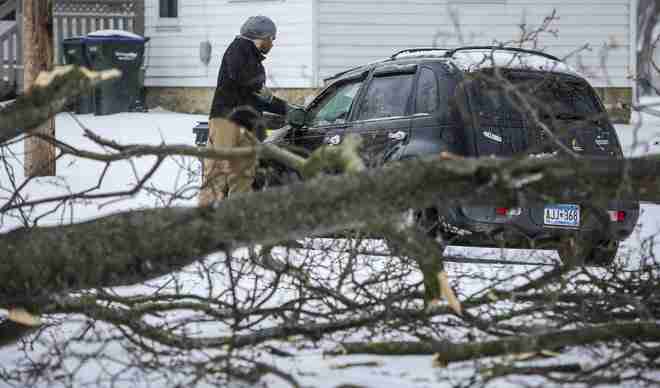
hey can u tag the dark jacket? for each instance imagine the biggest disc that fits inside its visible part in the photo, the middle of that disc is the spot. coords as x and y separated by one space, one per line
241 75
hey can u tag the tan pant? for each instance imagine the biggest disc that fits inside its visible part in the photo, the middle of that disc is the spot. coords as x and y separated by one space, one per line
222 178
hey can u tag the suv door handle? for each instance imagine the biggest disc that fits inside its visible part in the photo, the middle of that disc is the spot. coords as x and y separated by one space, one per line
398 135
333 140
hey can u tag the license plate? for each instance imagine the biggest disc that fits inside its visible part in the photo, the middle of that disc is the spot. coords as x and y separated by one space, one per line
567 215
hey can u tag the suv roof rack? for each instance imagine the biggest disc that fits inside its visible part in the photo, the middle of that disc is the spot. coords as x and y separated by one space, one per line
415 50
392 57
450 53
343 72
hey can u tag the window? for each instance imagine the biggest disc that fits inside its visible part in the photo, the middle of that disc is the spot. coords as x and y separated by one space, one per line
496 107
335 106
169 9
558 96
427 92
386 97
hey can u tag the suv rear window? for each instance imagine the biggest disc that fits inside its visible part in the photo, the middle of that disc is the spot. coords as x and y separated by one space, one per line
552 95
504 128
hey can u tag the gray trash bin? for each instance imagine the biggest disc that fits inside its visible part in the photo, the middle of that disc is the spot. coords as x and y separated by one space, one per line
111 49
75 53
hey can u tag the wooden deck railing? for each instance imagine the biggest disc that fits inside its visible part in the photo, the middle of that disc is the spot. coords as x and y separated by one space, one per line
11 56
80 17
70 18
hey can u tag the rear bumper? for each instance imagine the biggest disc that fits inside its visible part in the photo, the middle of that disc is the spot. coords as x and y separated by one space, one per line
481 226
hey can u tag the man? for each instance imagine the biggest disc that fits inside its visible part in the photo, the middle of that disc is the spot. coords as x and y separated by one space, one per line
241 87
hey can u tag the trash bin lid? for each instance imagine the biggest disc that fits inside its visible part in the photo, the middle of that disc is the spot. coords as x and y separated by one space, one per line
114 35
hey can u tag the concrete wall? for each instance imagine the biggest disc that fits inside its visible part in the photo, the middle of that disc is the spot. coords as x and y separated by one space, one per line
198 99
618 102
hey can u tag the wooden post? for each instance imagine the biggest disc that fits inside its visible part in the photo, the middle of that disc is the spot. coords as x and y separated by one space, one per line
38 56
138 21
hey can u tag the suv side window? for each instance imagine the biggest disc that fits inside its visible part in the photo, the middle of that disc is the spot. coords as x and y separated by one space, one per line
427 99
387 96
335 106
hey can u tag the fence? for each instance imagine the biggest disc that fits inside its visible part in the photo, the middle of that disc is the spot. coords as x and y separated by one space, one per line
80 17
70 18
11 54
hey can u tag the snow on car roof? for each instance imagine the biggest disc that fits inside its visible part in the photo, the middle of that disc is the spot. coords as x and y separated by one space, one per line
422 53
473 60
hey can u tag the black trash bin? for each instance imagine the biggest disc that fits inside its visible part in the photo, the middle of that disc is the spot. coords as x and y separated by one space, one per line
121 50
75 53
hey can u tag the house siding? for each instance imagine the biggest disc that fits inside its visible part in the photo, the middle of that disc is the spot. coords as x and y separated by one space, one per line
173 58
352 32
318 38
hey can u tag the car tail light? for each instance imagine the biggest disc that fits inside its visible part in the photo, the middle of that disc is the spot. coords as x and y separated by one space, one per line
508 212
617 215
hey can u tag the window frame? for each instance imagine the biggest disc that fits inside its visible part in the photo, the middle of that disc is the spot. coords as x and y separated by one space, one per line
418 84
378 74
168 23
332 91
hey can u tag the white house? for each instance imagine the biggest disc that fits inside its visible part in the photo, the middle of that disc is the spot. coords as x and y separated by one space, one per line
317 38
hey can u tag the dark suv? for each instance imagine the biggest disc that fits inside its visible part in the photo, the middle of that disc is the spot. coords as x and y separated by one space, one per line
475 102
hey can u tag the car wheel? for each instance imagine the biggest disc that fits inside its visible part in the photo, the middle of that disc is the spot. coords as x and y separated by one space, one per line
588 253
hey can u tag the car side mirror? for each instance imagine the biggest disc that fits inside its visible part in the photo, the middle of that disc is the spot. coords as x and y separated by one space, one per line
296 116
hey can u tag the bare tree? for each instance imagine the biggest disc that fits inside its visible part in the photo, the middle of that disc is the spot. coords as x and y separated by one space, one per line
214 290
647 21
38 51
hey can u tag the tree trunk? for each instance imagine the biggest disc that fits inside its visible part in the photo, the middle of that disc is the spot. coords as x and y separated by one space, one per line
446 352
647 18
139 17
38 56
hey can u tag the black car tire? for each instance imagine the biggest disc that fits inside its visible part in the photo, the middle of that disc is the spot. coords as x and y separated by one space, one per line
589 253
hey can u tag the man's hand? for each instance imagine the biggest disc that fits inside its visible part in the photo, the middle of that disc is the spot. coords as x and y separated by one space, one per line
265 95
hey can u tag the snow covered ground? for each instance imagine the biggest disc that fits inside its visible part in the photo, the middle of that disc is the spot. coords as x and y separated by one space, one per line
165 127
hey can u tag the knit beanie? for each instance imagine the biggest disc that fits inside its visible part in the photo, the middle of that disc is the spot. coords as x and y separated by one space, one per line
258 27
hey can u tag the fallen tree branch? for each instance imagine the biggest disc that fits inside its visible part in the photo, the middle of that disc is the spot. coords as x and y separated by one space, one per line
132 247
48 96
508 370
446 352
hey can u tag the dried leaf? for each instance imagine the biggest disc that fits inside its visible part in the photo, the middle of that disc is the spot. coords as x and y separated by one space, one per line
439 361
448 293
21 316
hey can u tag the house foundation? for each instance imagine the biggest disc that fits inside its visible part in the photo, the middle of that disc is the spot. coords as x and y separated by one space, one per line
617 100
